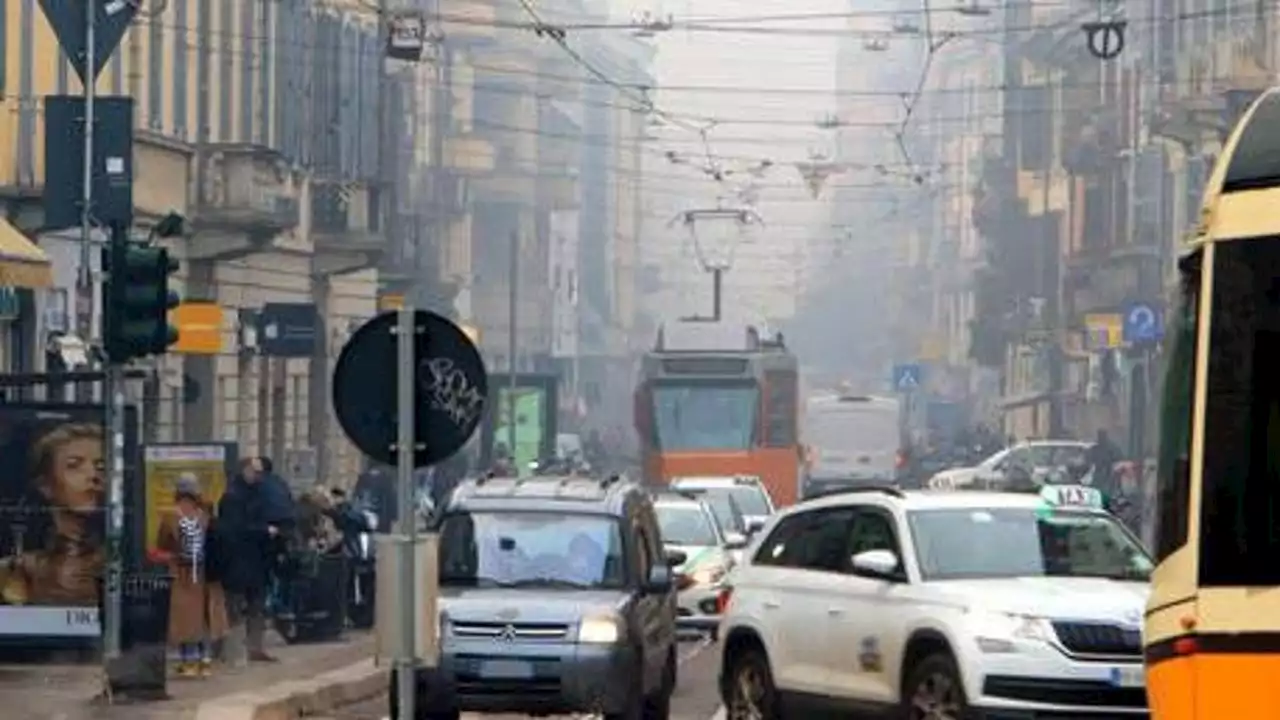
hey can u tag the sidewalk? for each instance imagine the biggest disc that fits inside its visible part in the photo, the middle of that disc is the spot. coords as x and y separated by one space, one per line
65 692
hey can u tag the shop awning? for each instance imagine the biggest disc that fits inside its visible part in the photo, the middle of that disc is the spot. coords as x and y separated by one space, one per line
22 263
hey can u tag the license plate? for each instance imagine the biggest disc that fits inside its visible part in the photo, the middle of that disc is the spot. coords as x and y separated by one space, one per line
1128 676
506 669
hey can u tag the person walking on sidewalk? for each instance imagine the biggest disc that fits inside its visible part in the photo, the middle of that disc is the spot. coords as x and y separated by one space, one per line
253 519
197 606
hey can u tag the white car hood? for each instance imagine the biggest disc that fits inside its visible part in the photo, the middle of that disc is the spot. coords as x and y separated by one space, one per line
953 477
698 556
1057 598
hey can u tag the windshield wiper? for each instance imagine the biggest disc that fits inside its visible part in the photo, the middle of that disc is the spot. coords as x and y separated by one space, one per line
545 583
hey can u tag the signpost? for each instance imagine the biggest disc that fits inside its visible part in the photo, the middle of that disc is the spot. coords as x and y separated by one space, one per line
89 31
1142 324
907 378
417 416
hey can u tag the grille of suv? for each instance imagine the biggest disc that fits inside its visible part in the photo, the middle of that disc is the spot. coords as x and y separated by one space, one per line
513 631
1099 639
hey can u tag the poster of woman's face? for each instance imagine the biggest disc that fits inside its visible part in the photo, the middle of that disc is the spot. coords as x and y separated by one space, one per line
52 492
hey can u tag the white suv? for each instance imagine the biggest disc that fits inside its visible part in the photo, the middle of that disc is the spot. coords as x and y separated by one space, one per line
938 605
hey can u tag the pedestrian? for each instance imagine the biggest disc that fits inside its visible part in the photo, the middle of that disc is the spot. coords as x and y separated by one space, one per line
253 519
197 605
1102 457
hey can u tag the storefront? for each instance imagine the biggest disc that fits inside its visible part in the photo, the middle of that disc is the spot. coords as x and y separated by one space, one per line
24 269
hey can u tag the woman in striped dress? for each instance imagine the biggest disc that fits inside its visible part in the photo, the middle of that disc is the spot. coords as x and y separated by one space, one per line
197 607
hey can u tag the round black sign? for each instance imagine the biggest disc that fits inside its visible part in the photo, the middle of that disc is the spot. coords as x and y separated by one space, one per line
450 388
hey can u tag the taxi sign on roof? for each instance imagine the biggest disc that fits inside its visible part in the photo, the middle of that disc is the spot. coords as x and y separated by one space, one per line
1072 496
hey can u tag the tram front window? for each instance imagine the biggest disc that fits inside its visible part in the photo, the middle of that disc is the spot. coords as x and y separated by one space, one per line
720 416
1240 510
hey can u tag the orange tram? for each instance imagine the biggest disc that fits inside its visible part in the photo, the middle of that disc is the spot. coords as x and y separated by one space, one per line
718 400
1212 629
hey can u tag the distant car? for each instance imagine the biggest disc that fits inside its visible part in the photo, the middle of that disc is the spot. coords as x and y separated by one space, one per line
748 492
1037 457
556 597
690 532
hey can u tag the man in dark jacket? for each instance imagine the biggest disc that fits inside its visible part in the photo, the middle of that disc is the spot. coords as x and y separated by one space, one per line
1102 457
254 517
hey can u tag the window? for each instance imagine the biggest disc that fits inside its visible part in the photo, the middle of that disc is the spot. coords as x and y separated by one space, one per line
814 540
978 543
872 530
686 524
1240 486
780 409
1173 459
531 549
706 416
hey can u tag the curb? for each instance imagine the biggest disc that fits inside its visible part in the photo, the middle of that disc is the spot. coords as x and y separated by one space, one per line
295 699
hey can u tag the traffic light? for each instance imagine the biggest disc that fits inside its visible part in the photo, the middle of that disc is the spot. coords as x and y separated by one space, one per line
137 300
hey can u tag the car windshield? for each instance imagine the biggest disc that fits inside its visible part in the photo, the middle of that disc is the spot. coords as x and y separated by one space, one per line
725 509
534 549
1024 542
751 499
685 524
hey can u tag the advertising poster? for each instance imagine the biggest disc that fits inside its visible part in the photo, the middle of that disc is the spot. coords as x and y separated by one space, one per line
535 418
52 496
529 426
212 464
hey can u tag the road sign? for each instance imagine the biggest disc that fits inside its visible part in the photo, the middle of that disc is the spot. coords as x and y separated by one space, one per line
1105 331
64 160
908 377
288 329
450 382
69 22
1142 323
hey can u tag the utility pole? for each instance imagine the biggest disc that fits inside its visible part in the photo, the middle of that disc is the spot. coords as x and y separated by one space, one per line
513 336
441 95
389 199
84 278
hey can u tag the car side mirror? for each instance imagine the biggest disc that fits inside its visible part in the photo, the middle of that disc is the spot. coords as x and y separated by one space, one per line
660 581
734 541
754 525
676 558
879 564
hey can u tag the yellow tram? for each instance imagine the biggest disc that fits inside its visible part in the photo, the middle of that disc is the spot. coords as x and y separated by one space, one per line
1212 629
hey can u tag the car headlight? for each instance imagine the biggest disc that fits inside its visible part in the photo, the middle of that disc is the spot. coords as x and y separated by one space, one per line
708 575
997 632
600 630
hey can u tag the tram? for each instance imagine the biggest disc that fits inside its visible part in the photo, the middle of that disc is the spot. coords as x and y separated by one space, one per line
719 400
1212 626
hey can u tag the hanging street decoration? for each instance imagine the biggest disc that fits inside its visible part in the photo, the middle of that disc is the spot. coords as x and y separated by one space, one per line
1105 38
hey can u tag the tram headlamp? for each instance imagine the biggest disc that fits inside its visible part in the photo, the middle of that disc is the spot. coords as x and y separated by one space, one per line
997 632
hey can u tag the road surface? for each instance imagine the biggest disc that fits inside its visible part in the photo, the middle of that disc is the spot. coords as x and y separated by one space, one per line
695 697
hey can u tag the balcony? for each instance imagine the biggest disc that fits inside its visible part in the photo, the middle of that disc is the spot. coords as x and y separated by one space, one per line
248 190
345 226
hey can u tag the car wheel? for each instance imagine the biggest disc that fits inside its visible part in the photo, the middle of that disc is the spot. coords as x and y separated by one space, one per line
934 691
751 694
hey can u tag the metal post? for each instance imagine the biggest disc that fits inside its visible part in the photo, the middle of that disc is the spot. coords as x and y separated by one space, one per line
513 313
113 388
406 662
84 278
113 456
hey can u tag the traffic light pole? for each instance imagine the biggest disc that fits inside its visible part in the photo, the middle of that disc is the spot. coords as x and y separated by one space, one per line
113 457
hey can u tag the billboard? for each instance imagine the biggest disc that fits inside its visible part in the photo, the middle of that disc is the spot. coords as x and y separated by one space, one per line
563 271
52 547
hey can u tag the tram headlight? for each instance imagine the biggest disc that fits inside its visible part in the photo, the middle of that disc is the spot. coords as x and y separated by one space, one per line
997 632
